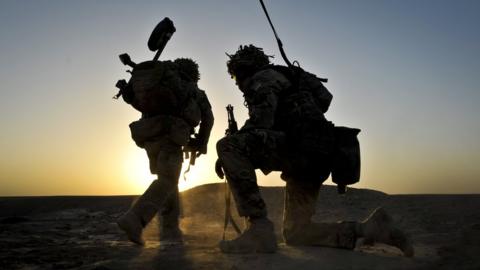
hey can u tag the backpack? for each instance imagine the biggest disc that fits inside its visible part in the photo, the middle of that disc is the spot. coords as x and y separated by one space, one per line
316 138
303 81
158 90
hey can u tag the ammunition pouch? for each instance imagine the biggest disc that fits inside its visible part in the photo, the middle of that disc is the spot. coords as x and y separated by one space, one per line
346 157
152 128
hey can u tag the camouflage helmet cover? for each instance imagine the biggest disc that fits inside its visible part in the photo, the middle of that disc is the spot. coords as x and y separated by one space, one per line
188 69
247 59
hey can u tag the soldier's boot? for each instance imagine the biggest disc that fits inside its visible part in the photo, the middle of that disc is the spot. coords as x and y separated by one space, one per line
135 219
258 237
141 213
378 227
170 232
131 225
337 235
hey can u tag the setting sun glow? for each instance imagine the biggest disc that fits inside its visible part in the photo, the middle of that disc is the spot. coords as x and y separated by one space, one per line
411 88
137 172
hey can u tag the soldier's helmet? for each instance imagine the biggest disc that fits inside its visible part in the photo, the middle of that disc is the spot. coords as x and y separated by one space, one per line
247 59
188 69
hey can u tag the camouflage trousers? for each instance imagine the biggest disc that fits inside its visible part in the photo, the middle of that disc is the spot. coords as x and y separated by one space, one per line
242 153
166 160
298 229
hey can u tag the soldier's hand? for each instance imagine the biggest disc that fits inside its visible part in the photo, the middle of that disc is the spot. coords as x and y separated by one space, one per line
193 143
196 148
219 169
196 145
202 149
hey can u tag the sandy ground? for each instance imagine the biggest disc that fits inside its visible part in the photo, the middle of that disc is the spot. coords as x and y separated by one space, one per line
80 233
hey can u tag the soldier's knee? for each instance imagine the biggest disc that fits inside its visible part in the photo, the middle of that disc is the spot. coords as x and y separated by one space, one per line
164 185
168 164
224 145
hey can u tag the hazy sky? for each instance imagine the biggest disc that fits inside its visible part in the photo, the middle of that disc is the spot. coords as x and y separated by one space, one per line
405 72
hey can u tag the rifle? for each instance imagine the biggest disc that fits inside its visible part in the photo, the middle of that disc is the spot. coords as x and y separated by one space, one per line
232 124
159 38
232 129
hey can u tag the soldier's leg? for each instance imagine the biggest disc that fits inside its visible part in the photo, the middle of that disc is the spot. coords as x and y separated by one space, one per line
235 154
240 173
167 166
379 227
169 219
300 202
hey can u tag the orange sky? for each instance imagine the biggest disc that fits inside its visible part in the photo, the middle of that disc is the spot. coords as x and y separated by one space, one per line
405 73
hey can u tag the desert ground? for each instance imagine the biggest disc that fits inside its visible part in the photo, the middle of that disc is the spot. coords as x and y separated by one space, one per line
79 232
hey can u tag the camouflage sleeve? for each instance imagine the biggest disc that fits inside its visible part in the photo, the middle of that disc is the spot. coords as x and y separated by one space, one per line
262 98
207 119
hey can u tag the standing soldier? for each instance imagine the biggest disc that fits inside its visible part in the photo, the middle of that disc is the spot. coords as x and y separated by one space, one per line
286 131
172 105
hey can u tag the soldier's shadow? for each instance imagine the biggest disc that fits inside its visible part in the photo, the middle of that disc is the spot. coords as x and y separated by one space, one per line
172 257
169 255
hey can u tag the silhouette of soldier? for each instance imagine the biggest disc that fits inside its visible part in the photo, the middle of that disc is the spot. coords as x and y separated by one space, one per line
172 105
286 131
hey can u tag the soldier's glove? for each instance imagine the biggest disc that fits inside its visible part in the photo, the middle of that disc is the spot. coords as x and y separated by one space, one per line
201 149
219 169
197 146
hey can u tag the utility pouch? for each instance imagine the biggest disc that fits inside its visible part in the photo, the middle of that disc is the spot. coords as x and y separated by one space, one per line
346 157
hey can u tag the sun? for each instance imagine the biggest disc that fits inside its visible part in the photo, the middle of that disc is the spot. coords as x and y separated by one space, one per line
137 171
138 174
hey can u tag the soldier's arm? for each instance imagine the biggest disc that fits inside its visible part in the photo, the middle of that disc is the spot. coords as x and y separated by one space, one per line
261 110
262 99
206 122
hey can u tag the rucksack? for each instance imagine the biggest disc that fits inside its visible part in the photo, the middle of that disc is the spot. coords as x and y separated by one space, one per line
304 81
305 103
158 90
